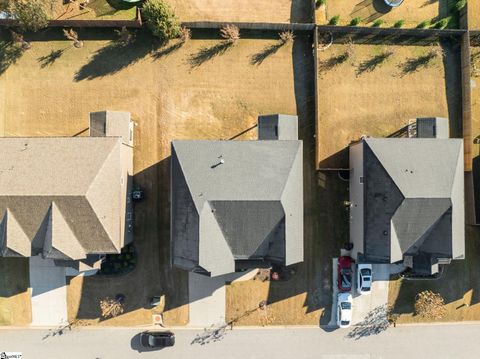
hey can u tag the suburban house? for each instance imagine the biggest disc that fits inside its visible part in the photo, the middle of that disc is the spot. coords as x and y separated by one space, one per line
237 205
407 198
67 198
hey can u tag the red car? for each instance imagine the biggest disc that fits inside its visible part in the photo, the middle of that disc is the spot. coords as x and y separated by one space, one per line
344 274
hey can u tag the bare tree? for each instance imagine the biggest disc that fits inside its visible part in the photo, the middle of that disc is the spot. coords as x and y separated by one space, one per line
185 34
430 305
72 35
125 36
287 37
110 307
231 33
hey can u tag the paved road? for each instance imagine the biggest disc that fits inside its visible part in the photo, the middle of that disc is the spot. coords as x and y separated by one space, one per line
435 341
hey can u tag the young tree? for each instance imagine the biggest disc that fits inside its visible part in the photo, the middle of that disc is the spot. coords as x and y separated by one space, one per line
161 20
287 37
430 305
231 33
72 35
125 36
30 14
185 34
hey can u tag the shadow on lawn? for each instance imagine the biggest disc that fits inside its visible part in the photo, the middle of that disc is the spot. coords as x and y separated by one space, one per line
259 57
115 57
207 53
50 59
9 54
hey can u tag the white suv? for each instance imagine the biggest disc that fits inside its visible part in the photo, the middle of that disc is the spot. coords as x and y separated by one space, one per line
364 278
344 310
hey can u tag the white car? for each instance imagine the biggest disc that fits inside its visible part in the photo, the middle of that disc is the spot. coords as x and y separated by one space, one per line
344 310
364 278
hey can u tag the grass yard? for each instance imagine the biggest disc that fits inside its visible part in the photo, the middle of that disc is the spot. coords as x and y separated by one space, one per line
95 10
473 14
375 90
459 286
201 90
411 12
278 11
15 306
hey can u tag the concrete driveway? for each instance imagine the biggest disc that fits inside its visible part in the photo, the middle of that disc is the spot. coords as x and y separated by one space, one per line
364 306
207 297
49 293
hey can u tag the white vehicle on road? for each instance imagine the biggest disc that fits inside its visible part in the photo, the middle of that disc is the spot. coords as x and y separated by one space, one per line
364 278
344 310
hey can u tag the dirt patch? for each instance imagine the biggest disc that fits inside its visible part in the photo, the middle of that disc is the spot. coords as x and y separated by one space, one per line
411 12
459 286
279 11
15 307
362 91
473 11
169 98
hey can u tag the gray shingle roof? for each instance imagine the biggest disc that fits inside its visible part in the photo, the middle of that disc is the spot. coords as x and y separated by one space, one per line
236 200
414 198
58 196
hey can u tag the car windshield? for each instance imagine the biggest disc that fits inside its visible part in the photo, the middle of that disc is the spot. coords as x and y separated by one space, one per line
346 278
345 322
345 305
365 289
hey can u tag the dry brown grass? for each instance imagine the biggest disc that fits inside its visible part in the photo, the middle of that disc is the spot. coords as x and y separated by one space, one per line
352 103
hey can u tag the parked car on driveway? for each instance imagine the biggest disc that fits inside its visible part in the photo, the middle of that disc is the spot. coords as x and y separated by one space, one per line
344 274
364 278
157 339
344 310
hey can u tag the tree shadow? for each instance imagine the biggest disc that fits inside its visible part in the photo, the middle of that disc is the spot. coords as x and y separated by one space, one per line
9 54
372 63
258 58
115 57
374 323
332 62
207 53
414 64
50 59
166 50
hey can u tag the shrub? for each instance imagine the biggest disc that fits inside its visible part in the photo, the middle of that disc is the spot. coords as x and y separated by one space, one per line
231 33
286 37
399 24
31 14
161 20
355 21
320 3
334 20
458 5
424 24
378 23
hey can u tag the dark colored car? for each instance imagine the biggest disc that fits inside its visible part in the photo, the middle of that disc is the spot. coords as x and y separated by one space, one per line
344 274
153 339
